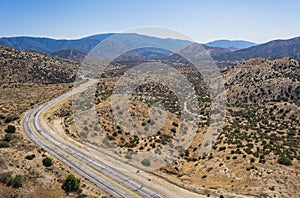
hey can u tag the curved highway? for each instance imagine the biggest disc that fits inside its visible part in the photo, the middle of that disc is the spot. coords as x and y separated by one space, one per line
108 179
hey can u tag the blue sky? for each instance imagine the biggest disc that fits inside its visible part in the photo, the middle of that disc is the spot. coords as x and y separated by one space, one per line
202 20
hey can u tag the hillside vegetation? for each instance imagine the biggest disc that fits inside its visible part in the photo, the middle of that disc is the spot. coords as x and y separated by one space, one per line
258 150
19 68
26 170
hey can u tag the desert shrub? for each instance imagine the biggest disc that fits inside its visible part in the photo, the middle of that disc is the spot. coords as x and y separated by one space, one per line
7 137
262 161
175 124
248 150
165 138
4 144
146 162
30 157
115 134
71 184
10 119
47 162
128 156
10 129
222 148
256 154
17 182
6 178
191 159
285 161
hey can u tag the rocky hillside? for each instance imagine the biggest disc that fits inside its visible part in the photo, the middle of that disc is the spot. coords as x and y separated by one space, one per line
257 152
18 67
69 54
262 80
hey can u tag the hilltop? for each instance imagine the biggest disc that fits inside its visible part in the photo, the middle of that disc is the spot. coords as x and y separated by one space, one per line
19 67
49 46
231 44
271 50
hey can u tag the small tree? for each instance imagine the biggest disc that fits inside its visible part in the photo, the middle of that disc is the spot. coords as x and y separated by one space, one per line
10 129
47 162
71 184
30 157
146 162
8 137
4 144
6 178
17 182
285 161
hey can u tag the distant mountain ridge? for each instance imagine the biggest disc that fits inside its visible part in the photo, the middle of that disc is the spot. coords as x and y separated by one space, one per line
271 50
224 52
231 44
49 46
84 45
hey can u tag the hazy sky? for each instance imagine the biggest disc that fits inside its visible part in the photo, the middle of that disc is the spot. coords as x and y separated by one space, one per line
202 20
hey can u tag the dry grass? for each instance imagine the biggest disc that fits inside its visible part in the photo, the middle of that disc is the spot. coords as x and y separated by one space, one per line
263 110
38 181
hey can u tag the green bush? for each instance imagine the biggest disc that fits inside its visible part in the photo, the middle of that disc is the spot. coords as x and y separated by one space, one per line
285 161
6 178
10 119
8 137
175 124
146 162
30 157
71 184
17 181
4 144
10 129
47 162
222 148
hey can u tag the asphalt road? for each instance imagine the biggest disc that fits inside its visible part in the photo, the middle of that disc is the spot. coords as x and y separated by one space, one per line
108 179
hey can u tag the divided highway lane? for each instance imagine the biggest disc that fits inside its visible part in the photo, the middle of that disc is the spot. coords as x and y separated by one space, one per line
103 176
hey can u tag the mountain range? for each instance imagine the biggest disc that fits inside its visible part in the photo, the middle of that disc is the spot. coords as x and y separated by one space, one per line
231 45
224 52
271 50
49 46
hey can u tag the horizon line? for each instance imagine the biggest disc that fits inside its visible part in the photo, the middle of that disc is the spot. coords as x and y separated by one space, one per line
78 38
